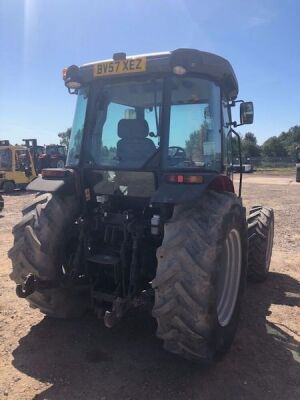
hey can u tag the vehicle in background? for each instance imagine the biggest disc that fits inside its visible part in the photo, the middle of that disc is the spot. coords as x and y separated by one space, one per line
298 163
16 167
246 168
35 150
54 156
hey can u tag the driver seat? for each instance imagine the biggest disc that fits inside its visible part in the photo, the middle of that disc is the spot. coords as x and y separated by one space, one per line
134 146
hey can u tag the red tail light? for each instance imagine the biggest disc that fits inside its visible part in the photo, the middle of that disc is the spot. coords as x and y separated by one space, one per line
56 173
172 178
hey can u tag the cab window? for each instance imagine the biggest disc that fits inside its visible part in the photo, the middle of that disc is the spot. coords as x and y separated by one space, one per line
5 160
22 160
194 138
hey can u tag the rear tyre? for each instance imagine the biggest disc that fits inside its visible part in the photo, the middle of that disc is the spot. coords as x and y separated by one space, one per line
41 241
8 187
260 238
1 203
60 164
201 276
57 164
298 174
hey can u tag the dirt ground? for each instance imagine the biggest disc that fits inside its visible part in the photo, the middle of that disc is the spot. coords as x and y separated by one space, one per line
49 359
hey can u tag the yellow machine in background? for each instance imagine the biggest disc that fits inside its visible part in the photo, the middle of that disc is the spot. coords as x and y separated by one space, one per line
16 167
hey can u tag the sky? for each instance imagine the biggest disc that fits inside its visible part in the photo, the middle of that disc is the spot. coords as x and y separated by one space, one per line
39 37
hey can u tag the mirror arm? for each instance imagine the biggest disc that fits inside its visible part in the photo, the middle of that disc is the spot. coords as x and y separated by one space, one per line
233 102
233 123
231 130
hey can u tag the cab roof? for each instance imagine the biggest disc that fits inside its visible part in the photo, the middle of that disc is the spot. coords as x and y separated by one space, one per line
13 147
194 61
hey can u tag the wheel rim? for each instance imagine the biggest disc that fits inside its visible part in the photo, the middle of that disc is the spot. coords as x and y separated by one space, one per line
229 277
60 164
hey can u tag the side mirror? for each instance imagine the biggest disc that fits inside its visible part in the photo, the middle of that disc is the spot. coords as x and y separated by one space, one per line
246 112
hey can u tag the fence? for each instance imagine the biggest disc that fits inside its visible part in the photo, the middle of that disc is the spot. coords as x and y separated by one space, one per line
270 162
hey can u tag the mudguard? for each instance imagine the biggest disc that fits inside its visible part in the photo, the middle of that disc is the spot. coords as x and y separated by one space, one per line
179 193
65 184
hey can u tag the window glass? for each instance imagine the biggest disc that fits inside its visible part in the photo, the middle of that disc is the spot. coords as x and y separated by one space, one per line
51 150
5 159
194 138
22 160
77 128
110 139
61 151
125 132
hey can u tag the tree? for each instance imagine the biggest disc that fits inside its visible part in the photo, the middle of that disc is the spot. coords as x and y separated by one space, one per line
65 137
273 147
194 144
290 140
250 147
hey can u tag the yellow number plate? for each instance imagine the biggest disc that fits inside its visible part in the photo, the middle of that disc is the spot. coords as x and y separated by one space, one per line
120 67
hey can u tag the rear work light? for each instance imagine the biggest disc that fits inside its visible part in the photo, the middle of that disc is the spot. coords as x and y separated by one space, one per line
184 178
72 78
64 73
58 173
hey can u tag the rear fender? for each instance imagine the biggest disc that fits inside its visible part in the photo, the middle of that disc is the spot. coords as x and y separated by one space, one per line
62 180
180 193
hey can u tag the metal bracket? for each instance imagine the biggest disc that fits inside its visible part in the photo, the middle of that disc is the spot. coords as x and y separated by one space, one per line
120 307
31 284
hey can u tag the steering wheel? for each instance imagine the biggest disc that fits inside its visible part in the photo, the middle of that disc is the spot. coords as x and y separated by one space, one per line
176 156
178 152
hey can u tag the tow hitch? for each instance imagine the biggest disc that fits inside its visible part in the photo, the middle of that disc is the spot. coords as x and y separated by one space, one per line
32 283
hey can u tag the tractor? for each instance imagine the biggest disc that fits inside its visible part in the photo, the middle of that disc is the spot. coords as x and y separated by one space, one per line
145 212
53 156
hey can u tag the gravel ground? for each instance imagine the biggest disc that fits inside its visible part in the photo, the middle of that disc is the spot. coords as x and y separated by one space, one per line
42 358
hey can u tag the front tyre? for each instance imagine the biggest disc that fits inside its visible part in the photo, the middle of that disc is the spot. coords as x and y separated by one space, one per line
60 164
260 237
200 277
8 187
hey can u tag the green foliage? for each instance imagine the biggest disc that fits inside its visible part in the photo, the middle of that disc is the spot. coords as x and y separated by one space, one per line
250 147
273 147
283 145
65 137
194 144
290 140
108 153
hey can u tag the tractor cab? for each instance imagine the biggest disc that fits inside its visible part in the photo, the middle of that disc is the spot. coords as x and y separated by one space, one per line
16 167
159 119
